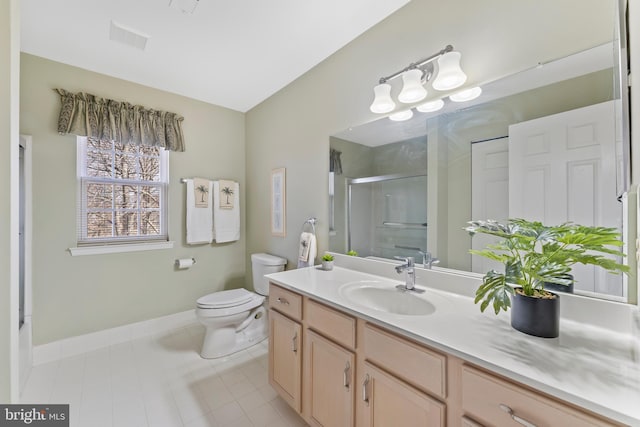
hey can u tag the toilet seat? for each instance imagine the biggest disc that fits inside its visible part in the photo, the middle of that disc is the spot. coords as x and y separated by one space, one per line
226 303
224 299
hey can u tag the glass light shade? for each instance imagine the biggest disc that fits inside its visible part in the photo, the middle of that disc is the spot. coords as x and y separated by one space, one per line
401 116
412 89
450 75
430 106
382 103
466 95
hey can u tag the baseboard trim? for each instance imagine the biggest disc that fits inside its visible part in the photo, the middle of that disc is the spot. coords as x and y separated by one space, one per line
74 346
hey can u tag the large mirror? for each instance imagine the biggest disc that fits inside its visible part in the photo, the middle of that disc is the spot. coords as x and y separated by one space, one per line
549 143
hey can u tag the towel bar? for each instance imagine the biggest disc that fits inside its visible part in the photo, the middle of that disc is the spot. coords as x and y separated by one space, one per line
312 222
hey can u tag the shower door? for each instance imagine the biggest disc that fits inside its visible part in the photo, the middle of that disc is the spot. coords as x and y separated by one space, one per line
387 215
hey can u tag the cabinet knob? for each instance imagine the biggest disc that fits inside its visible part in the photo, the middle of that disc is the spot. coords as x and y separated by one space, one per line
365 396
282 301
514 417
345 375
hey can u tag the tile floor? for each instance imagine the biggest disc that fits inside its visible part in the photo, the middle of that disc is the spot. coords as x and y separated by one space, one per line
161 381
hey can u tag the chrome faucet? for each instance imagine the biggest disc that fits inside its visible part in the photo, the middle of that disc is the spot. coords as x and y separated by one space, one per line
410 278
428 260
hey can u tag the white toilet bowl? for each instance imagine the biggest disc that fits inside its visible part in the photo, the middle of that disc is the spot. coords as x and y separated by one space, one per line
234 320
237 319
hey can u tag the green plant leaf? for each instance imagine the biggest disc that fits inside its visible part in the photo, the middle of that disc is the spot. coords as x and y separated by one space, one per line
534 254
494 291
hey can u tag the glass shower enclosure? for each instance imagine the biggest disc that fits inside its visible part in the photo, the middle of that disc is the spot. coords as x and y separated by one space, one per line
387 215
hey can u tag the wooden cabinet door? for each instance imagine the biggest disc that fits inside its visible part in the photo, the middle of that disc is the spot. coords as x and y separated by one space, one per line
331 376
285 358
391 402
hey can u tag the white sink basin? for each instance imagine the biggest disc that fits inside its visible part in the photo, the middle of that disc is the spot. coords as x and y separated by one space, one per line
384 296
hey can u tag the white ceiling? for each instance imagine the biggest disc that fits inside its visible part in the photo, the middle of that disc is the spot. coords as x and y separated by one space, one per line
230 53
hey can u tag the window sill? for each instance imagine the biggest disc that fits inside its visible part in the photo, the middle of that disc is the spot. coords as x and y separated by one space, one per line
114 249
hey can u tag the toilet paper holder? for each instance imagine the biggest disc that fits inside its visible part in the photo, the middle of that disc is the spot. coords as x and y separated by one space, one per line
177 262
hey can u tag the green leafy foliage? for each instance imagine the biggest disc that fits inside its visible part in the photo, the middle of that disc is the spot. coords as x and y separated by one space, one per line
352 253
327 257
534 254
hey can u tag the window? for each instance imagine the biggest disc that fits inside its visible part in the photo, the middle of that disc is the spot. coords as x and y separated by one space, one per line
123 192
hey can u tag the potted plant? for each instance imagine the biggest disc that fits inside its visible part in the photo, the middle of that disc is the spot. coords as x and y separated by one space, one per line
352 253
327 262
534 254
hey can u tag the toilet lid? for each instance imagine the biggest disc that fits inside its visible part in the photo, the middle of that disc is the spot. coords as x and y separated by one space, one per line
222 299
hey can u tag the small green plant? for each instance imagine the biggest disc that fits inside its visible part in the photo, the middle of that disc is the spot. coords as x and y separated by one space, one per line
327 257
352 253
534 254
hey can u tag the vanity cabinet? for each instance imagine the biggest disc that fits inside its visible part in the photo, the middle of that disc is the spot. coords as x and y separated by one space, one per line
351 372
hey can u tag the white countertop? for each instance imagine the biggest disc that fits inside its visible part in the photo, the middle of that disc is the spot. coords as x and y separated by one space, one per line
589 366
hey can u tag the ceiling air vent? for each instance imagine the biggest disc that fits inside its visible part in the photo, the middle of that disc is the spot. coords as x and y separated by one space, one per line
184 6
128 36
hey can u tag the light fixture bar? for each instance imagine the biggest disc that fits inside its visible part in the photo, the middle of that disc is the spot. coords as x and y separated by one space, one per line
417 65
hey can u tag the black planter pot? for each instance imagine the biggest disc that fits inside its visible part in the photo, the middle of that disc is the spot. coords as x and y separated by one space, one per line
536 316
554 287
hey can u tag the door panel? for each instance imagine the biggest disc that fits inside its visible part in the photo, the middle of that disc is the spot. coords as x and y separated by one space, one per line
489 193
331 376
392 402
285 367
562 168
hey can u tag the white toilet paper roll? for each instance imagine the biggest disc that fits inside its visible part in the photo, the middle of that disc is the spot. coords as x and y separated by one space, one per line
184 263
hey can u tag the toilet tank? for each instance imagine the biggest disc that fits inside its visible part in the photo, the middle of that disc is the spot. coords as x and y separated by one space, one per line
265 264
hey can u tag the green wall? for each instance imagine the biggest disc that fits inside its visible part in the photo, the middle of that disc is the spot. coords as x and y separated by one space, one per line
291 129
82 294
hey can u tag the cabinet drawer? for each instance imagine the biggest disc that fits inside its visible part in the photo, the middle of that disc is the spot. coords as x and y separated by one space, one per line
417 365
333 324
489 399
286 302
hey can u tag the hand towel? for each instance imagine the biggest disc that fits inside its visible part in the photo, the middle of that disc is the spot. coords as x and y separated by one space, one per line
311 255
303 252
199 220
226 194
202 190
226 222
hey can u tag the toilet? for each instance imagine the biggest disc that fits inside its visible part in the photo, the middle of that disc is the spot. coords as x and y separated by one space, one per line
237 318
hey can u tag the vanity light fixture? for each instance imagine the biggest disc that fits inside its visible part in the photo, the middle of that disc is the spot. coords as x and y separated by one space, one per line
450 75
402 115
382 102
412 89
466 95
431 106
415 75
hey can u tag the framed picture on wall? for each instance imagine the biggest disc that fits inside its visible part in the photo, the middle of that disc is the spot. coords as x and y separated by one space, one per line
278 202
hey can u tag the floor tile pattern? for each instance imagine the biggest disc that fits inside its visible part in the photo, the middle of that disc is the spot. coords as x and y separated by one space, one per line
161 381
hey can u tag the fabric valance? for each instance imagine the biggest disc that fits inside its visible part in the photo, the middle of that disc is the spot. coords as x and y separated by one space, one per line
335 162
87 115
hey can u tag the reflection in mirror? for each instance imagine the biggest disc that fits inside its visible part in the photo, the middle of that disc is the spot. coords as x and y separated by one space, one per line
545 144
380 198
